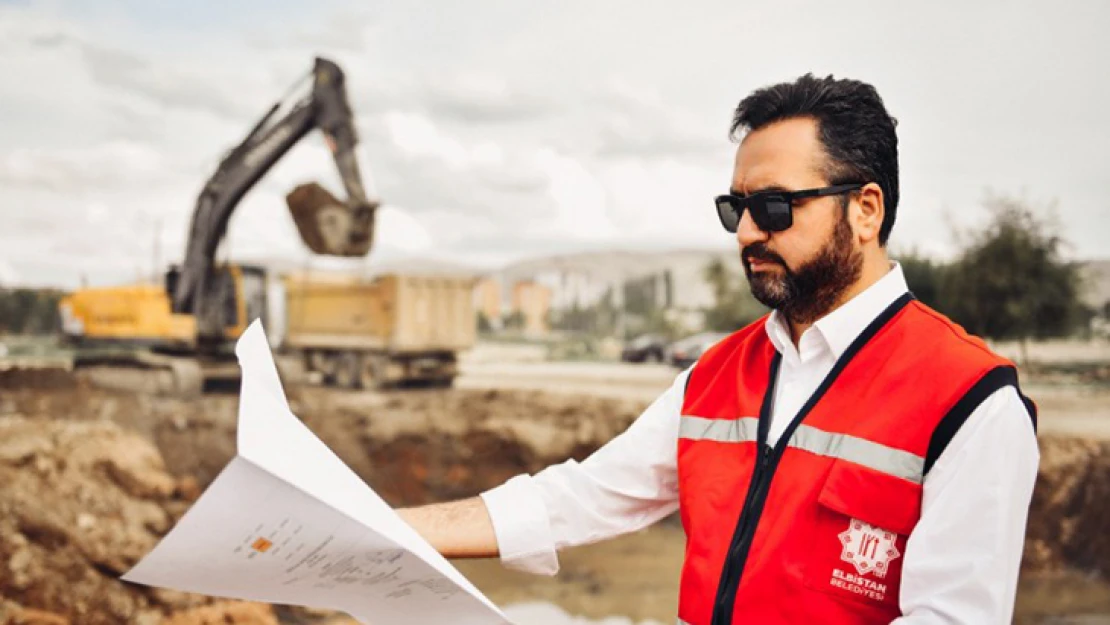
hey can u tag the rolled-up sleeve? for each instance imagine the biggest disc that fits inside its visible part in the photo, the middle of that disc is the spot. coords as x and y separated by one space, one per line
626 485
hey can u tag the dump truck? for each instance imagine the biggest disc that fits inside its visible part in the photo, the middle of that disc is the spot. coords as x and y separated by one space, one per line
375 333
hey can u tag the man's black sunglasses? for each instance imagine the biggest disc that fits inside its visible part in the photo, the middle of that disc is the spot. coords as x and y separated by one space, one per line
772 211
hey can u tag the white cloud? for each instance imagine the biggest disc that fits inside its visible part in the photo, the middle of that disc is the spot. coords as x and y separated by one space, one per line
344 29
580 201
112 164
8 275
501 136
416 135
397 229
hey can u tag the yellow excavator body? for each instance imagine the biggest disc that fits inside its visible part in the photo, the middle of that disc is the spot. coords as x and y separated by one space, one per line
139 314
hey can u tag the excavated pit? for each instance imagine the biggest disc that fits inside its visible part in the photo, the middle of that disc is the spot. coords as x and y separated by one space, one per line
97 476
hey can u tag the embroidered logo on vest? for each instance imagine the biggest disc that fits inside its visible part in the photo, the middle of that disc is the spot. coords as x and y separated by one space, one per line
868 548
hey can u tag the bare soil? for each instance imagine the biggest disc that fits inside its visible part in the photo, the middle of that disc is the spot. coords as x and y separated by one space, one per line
96 476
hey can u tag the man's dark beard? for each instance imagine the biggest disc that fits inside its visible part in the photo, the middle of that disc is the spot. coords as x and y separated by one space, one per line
808 293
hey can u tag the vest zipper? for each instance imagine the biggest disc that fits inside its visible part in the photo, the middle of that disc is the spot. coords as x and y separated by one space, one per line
767 463
745 525
749 520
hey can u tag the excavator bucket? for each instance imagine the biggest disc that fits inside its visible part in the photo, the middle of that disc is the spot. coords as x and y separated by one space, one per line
325 224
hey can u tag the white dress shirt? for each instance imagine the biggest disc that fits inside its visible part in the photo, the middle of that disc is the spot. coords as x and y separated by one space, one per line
962 559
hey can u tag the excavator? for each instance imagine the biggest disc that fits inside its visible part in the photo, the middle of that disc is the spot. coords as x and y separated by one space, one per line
184 330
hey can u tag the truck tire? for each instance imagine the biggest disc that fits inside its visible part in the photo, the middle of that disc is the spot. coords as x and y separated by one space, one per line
446 382
348 370
188 378
326 364
372 372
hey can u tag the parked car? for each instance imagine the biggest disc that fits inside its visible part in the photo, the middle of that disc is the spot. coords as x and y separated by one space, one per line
685 352
645 348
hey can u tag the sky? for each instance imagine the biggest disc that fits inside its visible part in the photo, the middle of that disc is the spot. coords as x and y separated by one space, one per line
495 131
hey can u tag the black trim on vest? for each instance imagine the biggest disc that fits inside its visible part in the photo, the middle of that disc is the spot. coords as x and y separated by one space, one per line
768 460
995 379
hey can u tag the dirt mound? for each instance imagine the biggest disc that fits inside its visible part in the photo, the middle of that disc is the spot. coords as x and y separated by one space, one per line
195 437
81 503
87 491
422 446
1070 512
41 378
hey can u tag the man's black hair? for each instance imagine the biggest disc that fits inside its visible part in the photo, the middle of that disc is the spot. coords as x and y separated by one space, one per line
854 126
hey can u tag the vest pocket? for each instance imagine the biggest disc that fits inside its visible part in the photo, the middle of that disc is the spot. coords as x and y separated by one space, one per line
864 518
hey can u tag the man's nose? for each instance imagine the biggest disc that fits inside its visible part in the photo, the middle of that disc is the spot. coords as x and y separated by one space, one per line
747 232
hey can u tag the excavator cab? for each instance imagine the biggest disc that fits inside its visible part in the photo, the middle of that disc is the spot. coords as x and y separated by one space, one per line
238 294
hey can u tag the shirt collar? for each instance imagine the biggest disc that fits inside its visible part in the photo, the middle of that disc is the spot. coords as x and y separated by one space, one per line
840 327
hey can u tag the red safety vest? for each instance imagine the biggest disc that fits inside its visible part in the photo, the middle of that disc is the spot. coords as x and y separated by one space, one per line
814 530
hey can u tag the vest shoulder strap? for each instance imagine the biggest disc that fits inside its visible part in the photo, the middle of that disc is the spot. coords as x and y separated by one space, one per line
994 380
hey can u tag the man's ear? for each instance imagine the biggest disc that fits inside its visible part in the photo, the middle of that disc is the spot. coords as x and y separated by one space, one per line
867 212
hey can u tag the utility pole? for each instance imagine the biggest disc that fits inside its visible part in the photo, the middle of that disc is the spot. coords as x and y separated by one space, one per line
157 249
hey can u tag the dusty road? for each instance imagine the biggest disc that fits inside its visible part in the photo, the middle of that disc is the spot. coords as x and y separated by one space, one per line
1066 407
602 379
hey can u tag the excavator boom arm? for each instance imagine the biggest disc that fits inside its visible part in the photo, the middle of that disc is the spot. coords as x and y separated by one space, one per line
328 109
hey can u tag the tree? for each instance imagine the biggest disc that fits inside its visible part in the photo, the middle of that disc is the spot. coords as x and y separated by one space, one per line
513 321
734 306
1010 282
925 278
654 322
484 324
29 311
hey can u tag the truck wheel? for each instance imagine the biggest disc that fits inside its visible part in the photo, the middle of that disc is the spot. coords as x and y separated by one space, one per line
372 373
326 364
447 382
348 369
188 379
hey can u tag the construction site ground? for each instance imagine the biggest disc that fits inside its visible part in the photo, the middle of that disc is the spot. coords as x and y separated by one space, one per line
93 476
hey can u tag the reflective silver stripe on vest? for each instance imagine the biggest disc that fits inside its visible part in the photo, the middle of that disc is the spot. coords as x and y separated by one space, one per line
744 430
681 622
870 454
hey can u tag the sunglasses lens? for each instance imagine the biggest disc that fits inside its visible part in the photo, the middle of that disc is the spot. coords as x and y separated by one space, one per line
772 214
729 211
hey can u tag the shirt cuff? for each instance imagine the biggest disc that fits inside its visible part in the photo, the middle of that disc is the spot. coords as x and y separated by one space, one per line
522 527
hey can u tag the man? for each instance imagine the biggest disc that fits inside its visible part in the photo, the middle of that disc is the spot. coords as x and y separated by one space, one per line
853 457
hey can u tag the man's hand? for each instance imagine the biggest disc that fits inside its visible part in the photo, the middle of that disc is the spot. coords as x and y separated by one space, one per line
459 529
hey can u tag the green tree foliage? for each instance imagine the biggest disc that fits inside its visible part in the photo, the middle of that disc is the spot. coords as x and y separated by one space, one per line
599 319
925 278
734 307
485 326
513 321
29 311
655 322
1010 281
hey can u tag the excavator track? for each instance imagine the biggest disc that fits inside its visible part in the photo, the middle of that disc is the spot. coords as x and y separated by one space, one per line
144 372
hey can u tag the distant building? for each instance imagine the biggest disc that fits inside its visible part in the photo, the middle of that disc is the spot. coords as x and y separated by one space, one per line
533 301
613 291
573 288
1096 285
1096 294
488 300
